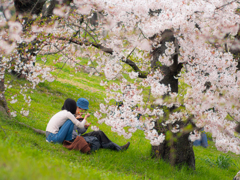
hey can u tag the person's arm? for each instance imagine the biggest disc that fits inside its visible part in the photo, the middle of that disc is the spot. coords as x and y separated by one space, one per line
75 121
81 131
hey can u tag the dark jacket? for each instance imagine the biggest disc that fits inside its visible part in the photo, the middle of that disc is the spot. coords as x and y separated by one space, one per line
91 140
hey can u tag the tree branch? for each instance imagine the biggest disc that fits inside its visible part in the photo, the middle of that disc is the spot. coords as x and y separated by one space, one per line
39 131
106 50
220 7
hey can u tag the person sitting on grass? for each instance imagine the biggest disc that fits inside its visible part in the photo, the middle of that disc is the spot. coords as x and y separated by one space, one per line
60 126
104 141
202 141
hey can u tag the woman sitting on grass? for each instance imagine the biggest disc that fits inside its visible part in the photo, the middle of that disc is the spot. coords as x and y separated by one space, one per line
60 126
104 141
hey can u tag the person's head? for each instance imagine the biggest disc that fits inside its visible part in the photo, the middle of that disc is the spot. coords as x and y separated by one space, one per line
70 105
82 105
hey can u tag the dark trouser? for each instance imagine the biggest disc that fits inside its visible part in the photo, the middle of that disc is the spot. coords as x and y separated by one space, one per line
105 142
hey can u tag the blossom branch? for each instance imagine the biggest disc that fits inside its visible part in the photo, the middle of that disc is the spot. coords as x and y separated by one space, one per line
221 7
85 31
93 64
106 50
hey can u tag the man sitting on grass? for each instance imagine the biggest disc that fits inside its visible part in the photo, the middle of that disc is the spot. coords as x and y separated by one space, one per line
96 139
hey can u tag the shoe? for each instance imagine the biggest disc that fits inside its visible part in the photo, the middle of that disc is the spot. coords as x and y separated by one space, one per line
125 147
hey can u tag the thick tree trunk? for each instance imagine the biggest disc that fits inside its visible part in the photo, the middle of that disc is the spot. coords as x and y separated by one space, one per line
170 72
37 7
29 6
177 149
178 152
3 102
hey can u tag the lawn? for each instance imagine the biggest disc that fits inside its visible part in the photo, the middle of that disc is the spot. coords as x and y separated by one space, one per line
26 155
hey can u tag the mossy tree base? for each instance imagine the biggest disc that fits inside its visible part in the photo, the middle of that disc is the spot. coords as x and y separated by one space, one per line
179 152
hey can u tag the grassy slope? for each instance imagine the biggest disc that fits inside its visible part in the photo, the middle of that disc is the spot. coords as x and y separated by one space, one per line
26 155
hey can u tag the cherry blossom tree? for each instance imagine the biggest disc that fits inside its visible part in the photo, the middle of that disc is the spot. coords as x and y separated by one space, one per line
157 43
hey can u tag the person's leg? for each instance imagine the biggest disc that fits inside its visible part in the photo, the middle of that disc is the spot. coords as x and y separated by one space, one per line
102 137
65 133
111 145
204 142
197 142
105 141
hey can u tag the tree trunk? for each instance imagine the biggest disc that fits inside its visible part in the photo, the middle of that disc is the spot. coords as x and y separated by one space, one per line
177 150
29 6
3 102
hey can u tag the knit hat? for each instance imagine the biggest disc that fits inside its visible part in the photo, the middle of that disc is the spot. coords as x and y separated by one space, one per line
82 103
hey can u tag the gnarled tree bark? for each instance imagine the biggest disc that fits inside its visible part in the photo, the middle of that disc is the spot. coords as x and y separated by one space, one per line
176 149
3 102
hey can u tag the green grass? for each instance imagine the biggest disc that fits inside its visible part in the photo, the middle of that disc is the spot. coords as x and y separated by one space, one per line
26 155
